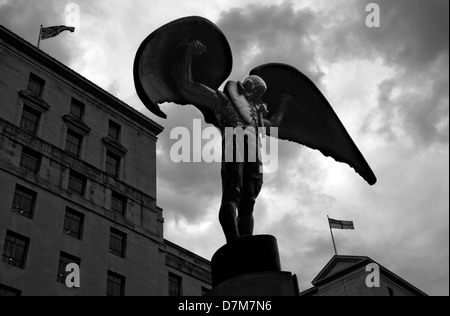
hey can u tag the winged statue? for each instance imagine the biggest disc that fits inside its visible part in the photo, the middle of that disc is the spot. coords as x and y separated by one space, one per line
186 62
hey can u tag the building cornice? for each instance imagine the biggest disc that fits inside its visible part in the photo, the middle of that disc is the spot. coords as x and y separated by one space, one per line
195 266
200 260
76 124
62 157
361 262
34 100
115 146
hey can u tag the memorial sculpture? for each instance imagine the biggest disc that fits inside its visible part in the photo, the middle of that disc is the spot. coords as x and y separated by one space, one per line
186 62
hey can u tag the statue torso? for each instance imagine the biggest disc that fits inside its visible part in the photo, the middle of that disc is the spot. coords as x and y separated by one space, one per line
237 111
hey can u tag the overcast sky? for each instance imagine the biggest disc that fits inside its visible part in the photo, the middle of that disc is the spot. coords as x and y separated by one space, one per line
388 85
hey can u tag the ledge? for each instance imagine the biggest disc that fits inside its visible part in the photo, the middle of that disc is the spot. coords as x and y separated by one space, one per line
187 267
77 124
147 124
34 100
69 161
115 146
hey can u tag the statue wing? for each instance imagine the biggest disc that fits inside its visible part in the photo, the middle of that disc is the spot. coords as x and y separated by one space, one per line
311 121
158 57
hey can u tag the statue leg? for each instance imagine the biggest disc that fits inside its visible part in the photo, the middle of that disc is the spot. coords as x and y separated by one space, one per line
252 184
232 188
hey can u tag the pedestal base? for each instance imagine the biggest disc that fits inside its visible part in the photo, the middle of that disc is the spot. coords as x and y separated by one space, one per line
250 266
258 284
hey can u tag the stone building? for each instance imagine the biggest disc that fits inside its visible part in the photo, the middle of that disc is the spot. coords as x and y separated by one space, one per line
78 185
359 276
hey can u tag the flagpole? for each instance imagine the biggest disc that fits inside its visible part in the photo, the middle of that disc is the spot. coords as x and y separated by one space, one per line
40 36
332 237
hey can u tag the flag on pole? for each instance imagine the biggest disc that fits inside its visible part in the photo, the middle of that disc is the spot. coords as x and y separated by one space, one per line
52 31
340 224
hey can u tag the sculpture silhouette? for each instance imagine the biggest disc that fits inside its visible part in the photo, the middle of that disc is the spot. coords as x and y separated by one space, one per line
187 60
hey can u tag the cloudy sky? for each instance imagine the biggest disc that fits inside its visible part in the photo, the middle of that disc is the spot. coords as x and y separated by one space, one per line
388 85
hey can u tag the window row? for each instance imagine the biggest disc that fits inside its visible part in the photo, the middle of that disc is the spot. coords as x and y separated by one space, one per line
24 200
115 282
176 286
36 85
15 248
74 226
74 139
30 119
115 285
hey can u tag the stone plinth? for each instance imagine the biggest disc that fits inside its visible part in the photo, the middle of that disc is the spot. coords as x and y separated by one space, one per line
258 284
251 266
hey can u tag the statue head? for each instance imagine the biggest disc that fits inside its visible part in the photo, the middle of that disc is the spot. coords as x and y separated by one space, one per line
253 87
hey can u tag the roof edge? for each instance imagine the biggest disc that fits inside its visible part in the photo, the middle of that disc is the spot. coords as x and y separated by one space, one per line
71 75
361 261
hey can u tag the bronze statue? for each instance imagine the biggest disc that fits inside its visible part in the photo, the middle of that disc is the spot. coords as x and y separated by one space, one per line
240 105
187 60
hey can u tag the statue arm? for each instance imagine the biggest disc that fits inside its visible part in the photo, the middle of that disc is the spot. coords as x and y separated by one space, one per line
277 118
203 97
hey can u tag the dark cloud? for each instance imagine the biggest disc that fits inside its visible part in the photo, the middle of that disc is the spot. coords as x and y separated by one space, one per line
413 38
412 33
427 112
421 113
260 34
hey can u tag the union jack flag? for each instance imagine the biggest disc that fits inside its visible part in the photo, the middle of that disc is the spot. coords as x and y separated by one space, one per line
52 31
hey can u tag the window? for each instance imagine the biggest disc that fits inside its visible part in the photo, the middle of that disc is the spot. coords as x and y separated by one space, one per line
77 183
73 143
73 224
30 119
77 109
9 291
30 160
114 130
115 285
36 84
24 201
15 250
117 243
175 282
112 164
118 204
64 260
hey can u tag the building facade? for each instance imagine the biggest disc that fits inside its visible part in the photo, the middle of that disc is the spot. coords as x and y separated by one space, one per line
78 185
359 276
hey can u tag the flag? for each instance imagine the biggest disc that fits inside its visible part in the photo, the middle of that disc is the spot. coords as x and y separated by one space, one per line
340 224
52 31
